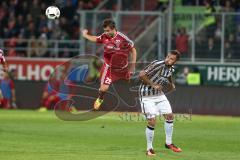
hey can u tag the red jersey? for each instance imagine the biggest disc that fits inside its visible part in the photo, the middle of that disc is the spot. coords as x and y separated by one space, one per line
182 43
116 49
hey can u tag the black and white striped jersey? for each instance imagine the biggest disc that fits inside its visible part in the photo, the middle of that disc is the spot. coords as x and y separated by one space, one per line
159 73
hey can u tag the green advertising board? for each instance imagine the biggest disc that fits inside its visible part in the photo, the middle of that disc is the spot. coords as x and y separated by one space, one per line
225 75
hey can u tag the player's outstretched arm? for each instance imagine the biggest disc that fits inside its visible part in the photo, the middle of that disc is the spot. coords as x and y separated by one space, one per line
88 37
172 87
133 60
146 80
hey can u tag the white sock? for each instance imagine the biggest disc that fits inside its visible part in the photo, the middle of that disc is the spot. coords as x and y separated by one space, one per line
168 131
149 137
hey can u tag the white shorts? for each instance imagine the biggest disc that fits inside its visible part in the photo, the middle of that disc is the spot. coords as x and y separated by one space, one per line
155 106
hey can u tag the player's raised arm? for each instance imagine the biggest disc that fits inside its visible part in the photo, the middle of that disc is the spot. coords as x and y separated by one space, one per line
89 37
133 60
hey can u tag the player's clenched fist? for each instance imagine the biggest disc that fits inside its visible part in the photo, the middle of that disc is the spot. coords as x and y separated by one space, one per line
157 86
84 32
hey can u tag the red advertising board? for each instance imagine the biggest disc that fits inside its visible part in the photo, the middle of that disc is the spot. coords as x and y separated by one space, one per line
37 69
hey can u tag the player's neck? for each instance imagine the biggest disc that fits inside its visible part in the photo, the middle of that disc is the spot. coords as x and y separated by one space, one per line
114 33
167 64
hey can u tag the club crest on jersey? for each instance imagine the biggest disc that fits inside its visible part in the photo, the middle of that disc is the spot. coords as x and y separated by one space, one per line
117 43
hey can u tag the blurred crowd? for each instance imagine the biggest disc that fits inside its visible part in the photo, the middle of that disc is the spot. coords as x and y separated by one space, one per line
24 19
208 39
24 24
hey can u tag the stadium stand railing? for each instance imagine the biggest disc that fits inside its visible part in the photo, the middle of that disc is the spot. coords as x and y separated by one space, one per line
40 47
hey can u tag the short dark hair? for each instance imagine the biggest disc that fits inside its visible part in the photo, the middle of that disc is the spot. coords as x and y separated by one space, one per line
109 23
176 53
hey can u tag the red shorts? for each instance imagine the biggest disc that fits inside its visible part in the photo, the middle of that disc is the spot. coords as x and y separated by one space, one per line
6 103
109 75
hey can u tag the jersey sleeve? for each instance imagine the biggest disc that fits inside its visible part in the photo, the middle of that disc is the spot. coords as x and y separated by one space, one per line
131 44
129 41
100 39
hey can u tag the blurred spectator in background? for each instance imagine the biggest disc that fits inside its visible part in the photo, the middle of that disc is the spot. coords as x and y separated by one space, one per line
229 52
11 30
233 44
162 5
127 5
199 44
35 11
210 19
75 27
11 44
181 41
26 19
21 45
64 46
218 31
73 2
181 77
188 2
229 19
211 51
42 45
237 17
228 7
32 47
69 10
189 76
8 92
238 34
111 5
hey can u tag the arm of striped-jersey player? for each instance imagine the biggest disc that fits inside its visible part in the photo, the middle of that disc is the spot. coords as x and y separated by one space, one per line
171 78
171 83
146 80
145 73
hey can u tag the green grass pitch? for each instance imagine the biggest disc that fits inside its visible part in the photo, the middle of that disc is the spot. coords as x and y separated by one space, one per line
30 135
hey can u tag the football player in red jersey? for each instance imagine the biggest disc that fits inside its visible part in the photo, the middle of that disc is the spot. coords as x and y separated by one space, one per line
4 68
117 50
3 61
